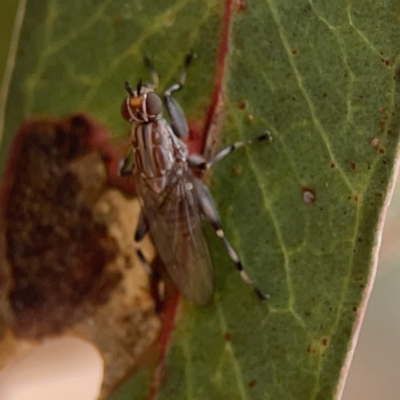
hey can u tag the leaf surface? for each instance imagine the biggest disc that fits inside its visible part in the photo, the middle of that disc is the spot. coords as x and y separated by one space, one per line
303 212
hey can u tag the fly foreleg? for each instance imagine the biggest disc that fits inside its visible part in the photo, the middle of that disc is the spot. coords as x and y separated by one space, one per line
126 166
174 110
210 213
200 163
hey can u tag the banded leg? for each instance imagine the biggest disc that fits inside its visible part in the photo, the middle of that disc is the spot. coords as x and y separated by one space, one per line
156 284
174 110
209 211
141 230
199 162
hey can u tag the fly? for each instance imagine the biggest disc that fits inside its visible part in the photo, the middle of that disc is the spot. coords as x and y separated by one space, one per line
174 202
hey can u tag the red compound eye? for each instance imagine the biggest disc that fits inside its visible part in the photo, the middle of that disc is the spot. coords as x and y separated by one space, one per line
154 104
125 111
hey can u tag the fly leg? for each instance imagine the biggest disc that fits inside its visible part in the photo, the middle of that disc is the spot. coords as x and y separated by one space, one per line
156 285
210 213
141 230
198 162
153 73
174 110
126 165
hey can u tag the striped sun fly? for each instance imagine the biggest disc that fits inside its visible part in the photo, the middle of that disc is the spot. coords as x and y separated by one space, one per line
174 203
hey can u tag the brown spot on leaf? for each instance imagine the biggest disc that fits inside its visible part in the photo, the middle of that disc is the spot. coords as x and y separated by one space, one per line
375 142
309 195
388 62
252 383
228 336
56 250
237 169
242 105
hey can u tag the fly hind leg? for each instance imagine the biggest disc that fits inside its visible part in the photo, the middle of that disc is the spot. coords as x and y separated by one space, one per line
141 230
210 213
156 284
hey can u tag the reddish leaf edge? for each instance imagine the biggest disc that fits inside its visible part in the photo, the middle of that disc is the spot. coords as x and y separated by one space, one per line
201 143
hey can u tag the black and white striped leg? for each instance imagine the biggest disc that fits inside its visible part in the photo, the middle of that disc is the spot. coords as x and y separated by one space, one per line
156 284
210 213
182 79
199 162
141 230
177 117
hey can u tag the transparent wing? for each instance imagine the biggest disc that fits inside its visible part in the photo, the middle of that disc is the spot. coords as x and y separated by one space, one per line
177 230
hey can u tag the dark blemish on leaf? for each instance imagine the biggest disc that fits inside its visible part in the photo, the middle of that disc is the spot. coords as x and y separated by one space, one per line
228 336
381 151
353 165
57 250
355 309
252 383
378 194
324 95
309 195
389 63
333 165
295 52
242 105
375 142
307 314
324 341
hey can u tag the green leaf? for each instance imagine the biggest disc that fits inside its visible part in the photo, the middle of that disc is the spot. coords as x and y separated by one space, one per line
303 212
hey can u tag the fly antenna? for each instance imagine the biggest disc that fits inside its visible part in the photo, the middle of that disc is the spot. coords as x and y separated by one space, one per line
128 88
139 87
